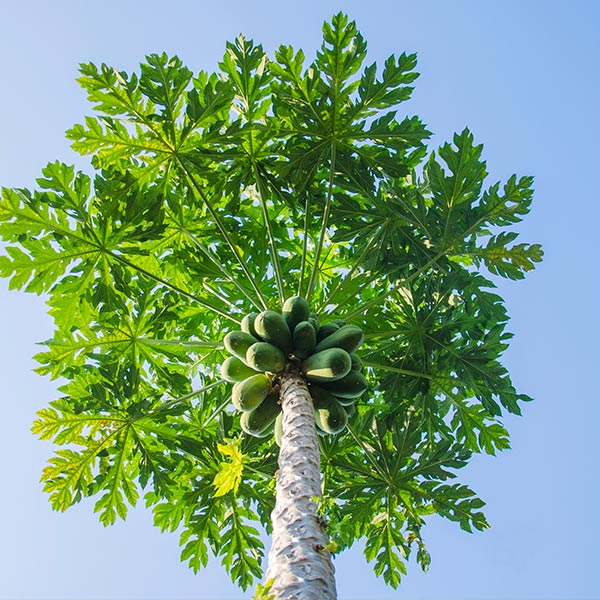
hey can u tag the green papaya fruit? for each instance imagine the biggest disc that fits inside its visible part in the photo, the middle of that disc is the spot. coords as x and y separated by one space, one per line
247 324
278 429
339 322
272 328
350 409
295 310
259 422
265 357
346 402
248 394
350 386
314 321
330 415
319 430
328 365
326 330
357 363
238 342
305 339
233 369
348 337
320 395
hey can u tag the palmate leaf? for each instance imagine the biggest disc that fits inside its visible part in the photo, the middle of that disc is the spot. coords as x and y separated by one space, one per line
216 195
508 261
229 477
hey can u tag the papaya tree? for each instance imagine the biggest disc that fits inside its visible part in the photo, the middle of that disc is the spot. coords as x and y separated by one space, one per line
274 306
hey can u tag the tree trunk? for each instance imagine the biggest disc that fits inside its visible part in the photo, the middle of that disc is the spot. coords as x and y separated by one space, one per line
299 566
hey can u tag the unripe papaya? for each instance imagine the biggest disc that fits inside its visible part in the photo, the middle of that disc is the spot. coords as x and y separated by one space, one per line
247 324
265 357
305 339
295 310
272 328
357 363
259 422
348 337
320 396
330 415
350 410
319 430
248 394
278 429
326 330
329 365
233 369
238 342
350 386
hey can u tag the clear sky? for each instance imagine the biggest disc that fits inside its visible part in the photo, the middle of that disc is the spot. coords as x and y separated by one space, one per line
524 76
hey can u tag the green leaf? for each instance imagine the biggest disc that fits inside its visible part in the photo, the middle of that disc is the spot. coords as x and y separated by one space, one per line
509 261
216 195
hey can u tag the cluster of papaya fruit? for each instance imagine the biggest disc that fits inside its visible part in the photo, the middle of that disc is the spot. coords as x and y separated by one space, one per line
325 354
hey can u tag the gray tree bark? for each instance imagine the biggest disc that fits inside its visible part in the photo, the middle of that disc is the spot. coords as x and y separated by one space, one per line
299 566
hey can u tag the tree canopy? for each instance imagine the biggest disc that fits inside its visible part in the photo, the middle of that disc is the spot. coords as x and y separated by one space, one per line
213 195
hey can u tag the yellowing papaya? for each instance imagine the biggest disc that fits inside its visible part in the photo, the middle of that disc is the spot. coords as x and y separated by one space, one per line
348 337
248 394
328 365
263 356
295 310
272 328
305 339
238 342
259 422
233 369
350 386
247 324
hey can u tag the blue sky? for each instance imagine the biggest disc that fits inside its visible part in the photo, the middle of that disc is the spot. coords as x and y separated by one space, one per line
524 77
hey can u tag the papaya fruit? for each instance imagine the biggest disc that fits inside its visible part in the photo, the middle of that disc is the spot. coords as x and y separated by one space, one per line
346 402
233 369
339 322
265 357
272 328
238 342
319 430
295 310
247 324
259 422
304 339
350 410
350 386
328 365
248 394
357 363
278 429
330 415
320 395
326 330
348 337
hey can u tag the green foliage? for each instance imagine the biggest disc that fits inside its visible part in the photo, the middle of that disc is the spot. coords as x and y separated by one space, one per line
147 264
